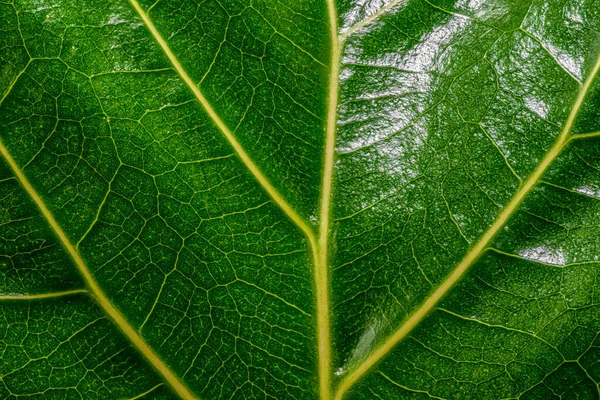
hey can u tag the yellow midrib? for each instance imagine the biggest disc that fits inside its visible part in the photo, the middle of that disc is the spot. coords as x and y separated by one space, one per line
322 264
318 246
565 136
118 319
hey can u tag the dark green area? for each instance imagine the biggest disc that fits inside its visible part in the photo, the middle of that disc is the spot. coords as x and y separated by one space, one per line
445 107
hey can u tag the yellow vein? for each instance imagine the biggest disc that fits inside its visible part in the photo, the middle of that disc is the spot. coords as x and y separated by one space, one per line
237 147
585 135
322 262
506 328
119 320
41 295
12 84
359 25
475 252
393 382
139 396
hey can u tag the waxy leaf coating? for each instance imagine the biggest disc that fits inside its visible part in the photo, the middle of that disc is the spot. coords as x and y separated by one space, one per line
333 199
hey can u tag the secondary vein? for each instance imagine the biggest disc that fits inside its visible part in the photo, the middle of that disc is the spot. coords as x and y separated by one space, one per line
111 311
227 133
476 251
41 295
361 24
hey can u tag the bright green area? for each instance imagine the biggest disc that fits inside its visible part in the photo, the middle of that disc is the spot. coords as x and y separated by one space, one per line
445 108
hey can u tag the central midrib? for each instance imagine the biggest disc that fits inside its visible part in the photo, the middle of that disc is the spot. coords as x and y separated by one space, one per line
319 246
322 265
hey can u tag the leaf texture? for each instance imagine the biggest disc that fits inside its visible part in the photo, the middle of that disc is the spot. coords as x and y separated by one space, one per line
299 199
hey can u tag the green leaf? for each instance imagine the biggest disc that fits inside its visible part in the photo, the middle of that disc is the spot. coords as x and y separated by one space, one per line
299 199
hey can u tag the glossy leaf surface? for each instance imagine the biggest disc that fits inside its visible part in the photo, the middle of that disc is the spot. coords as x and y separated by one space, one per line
299 199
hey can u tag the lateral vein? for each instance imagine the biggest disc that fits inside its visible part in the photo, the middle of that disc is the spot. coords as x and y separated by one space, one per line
476 251
111 311
359 25
237 147
41 295
585 135
13 83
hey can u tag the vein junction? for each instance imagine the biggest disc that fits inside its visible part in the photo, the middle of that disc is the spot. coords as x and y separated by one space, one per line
477 250
93 288
97 293
319 245
244 157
